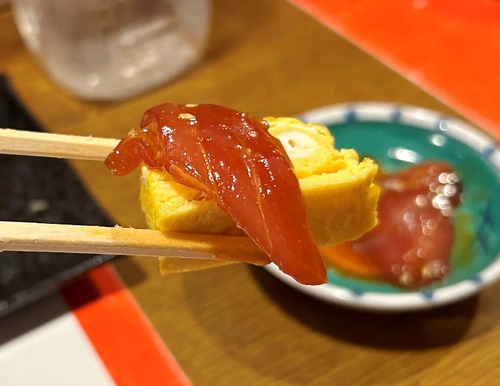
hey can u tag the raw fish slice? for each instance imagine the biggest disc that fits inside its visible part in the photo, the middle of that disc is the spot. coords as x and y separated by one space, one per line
234 160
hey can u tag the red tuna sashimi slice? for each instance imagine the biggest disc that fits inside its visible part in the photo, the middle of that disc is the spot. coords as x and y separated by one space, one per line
235 161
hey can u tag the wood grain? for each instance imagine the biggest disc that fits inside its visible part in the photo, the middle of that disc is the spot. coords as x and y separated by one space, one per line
236 324
43 237
23 142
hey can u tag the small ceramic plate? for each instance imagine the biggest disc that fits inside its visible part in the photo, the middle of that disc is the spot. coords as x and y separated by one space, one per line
397 136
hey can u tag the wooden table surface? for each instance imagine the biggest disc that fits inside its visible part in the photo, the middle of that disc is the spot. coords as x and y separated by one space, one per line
239 325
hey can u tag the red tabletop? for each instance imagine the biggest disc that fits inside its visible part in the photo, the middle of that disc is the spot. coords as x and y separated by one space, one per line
451 48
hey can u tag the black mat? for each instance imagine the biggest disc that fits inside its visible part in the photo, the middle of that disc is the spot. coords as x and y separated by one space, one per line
38 189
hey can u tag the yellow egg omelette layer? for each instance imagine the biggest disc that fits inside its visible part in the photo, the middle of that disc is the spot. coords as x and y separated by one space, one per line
338 190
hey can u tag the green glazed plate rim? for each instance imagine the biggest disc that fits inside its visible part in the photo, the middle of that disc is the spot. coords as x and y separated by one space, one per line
419 118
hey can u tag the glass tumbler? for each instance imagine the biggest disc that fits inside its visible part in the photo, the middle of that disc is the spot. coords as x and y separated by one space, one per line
113 49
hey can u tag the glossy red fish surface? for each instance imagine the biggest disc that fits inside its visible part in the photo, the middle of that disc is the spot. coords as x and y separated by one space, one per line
236 162
411 245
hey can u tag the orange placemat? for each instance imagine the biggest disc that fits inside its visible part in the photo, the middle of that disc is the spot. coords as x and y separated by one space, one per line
91 332
121 335
451 48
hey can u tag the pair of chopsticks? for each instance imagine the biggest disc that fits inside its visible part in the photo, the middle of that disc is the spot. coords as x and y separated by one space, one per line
41 237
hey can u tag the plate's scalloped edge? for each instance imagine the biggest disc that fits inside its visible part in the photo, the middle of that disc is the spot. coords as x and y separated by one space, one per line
419 117
425 119
372 301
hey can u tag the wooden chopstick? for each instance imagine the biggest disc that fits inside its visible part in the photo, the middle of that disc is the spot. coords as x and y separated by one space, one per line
21 142
38 237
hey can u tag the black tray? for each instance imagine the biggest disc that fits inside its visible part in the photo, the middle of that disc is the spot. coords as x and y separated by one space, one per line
46 190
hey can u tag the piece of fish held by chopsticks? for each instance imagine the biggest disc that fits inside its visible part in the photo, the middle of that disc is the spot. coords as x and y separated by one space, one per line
238 173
